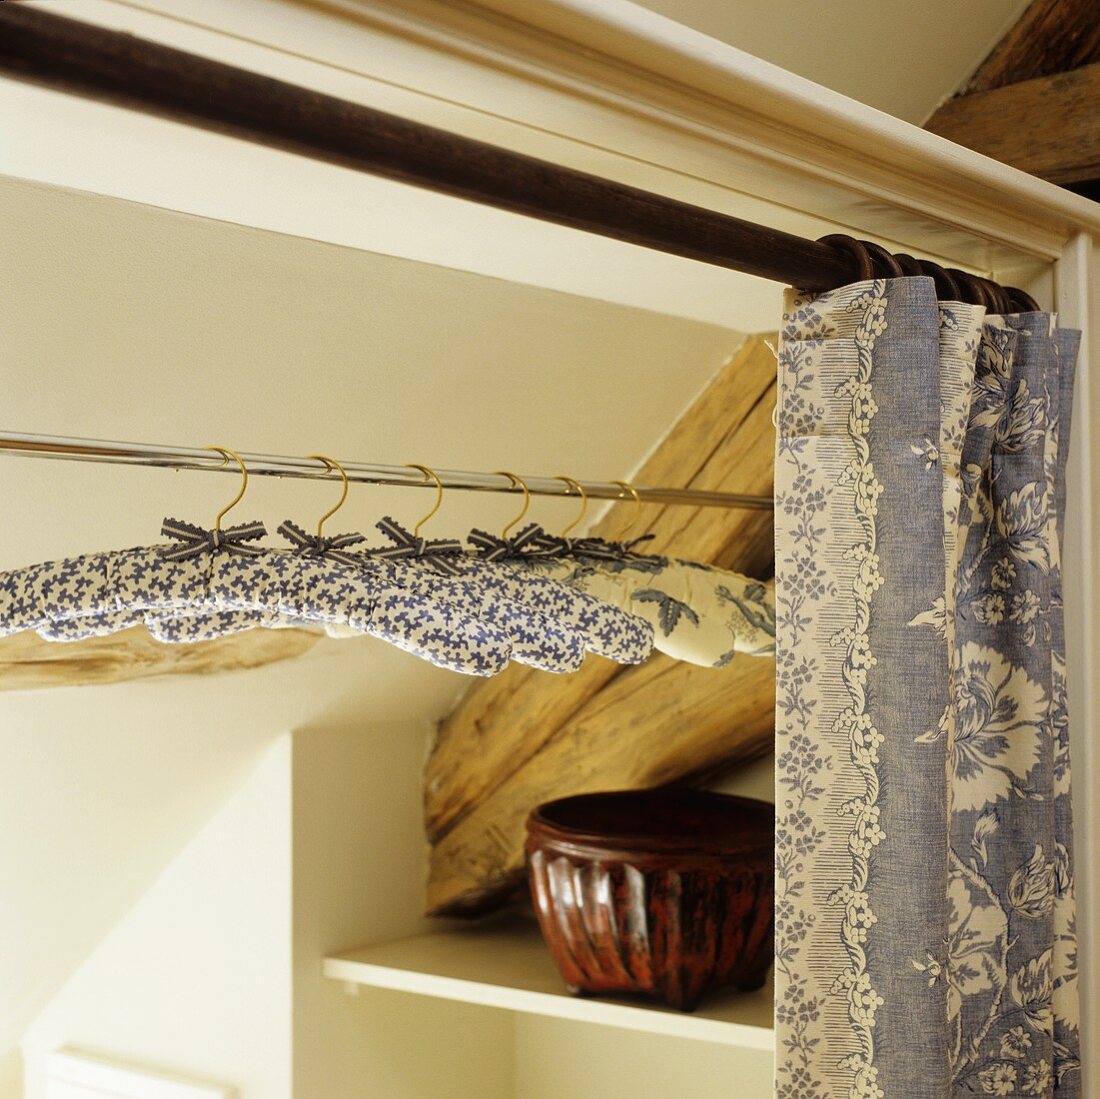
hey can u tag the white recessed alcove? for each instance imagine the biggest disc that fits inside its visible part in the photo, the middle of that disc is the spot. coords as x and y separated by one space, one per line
221 877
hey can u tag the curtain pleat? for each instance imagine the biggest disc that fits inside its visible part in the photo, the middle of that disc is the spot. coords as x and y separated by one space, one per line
924 911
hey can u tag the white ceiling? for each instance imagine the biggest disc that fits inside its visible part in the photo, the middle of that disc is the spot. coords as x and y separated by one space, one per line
129 322
903 58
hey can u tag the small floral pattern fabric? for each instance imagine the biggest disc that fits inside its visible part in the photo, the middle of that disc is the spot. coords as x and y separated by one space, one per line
474 618
211 593
699 614
925 941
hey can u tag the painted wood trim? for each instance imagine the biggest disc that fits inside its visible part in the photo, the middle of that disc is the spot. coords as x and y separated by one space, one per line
45 47
506 965
667 85
1077 292
1049 126
810 127
98 1076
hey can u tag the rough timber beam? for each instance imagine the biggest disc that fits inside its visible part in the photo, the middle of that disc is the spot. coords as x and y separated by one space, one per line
529 735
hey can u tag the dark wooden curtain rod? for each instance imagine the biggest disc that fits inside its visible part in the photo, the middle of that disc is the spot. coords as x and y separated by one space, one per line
46 48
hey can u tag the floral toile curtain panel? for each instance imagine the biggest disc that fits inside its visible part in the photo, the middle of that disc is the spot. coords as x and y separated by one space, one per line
925 940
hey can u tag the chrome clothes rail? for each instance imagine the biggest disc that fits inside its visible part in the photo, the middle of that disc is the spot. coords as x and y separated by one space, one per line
279 465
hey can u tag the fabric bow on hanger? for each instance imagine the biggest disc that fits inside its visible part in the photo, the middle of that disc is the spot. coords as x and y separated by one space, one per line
207 583
700 614
525 637
542 604
318 583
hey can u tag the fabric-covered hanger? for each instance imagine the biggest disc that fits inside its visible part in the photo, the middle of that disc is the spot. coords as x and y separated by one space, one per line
699 613
98 594
530 638
590 623
210 582
318 581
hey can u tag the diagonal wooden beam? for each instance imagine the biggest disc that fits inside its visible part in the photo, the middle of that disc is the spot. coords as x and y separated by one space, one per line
1049 126
1052 36
527 736
651 725
726 438
28 663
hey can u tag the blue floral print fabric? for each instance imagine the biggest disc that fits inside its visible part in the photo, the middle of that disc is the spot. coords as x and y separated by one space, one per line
210 593
925 939
571 618
699 614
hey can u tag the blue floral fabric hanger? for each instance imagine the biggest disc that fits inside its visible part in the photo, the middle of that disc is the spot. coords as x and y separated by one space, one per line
529 638
202 586
595 626
699 613
531 598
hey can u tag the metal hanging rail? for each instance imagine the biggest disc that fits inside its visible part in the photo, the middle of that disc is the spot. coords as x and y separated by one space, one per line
279 465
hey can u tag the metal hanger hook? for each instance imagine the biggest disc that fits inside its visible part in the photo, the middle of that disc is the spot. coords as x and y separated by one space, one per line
517 482
579 489
330 465
226 454
621 536
430 473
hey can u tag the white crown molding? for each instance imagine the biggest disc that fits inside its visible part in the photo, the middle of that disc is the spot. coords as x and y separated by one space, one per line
610 87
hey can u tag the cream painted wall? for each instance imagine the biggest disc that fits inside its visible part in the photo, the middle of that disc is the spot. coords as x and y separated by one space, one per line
358 879
900 57
341 47
559 1058
215 972
125 321
56 138
196 978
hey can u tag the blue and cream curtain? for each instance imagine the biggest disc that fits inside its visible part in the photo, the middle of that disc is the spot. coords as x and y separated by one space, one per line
925 941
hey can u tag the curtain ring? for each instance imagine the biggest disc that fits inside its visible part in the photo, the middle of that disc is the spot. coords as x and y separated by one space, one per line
516 482
579 488
1021 300
976 288
886 266
908 264
1000 298
1004 301
843 242
947 289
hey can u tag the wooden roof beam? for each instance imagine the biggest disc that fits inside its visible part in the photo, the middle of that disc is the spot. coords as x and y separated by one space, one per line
1049 126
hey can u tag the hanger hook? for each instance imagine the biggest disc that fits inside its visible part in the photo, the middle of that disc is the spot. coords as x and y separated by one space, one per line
226 454
579 489
517 482
430 473
330 465
621 536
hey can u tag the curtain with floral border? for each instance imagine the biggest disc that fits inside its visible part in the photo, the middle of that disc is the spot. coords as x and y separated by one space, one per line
924 877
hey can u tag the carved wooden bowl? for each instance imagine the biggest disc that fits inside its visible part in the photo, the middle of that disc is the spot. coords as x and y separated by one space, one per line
668 893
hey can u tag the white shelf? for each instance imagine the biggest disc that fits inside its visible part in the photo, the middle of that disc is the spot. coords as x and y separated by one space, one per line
505 963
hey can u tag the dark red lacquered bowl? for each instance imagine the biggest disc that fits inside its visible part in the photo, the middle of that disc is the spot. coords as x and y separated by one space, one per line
663 892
